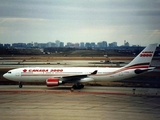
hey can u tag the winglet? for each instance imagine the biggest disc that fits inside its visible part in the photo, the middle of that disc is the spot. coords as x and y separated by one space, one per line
93 73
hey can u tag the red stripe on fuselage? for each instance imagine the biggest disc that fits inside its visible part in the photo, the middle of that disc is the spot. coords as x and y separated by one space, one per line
123 69
110 73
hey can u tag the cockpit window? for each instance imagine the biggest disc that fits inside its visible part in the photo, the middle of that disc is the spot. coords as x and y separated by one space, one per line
9 72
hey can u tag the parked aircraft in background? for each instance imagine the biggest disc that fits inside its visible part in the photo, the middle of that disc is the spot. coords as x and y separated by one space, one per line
78 75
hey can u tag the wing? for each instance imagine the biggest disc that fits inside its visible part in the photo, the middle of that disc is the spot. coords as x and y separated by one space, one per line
76 78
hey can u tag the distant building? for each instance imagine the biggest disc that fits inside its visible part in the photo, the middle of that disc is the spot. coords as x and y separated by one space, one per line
42 45
76 45
82 45
69 44
19 45
7 45
29 45
99 45
126 43
88 45
113 44
49 44
102 45
61 44
72 45
57 43
35 44
1 45
93 45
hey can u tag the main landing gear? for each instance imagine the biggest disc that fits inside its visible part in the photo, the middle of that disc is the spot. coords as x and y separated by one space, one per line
77 86
20 85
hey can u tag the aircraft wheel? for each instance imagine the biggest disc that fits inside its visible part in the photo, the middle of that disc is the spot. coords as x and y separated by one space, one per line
74 86
78 86
82 86
72 89
20 85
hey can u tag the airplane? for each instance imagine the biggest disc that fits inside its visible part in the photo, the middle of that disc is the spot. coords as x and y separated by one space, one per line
79 75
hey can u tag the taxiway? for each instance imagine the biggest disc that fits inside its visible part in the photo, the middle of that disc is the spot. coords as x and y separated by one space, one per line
85 90
38 102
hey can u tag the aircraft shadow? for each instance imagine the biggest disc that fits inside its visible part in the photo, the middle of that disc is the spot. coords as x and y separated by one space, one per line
59 88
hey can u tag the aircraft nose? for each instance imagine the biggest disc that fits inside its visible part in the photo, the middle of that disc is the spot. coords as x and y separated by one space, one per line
5 75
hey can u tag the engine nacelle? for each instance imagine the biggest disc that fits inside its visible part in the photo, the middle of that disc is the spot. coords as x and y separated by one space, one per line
51 82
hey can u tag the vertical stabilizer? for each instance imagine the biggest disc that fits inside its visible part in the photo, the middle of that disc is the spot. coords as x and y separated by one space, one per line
144 58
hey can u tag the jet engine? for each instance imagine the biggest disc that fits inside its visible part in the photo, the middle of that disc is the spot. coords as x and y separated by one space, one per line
51 82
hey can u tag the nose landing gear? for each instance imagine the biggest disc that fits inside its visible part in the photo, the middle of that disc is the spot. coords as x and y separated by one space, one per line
20 85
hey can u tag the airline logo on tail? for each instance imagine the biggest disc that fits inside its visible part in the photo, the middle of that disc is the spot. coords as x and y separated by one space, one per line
146 54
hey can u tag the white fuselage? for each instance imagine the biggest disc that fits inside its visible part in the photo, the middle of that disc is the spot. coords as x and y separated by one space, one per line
43 73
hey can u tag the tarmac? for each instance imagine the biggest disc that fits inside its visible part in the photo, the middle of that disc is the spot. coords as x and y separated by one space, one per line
90 103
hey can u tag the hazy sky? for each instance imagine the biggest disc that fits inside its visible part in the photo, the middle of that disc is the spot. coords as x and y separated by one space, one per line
136 21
